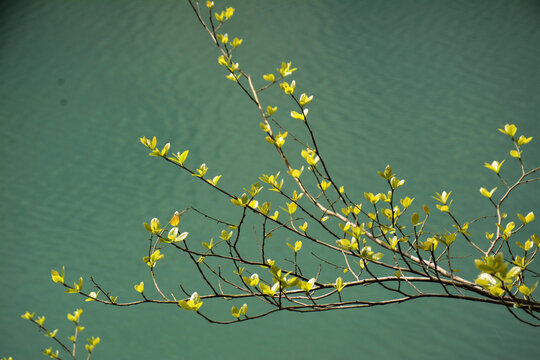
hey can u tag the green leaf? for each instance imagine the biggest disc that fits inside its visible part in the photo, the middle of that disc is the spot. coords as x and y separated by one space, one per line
513 272
244 309
534 287
296 115
56 277
387 174
371 198
241 201
253 280
165 149
267 290
291 208
347 244
393 242
415 219
515 153
285 69
495 166
449 238
324 185
492 264
139 287
339 285
275 216
193 304
406 202
210 245
295 173
523 140
181 237
155 226
306 285
526 219
201 171
28 316
524 290
497 291
486 193
182 157
509 130
270 78
147 227
429 245
395 183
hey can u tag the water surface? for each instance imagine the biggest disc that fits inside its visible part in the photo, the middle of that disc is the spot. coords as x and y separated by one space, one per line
421 85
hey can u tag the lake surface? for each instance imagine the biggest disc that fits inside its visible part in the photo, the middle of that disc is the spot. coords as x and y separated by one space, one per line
420 85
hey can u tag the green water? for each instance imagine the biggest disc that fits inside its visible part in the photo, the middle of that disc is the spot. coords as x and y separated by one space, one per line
421 85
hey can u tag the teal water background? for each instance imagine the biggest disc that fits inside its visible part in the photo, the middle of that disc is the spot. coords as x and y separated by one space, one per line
420 85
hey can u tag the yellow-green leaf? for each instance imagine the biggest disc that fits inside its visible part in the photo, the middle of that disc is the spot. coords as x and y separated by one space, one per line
486 193
56 277
253 280
28 316
269 77
304 99
275 216
523 140
415 219
229 12
155 226
236 42
339 285
193 304
526 219
509 130
406 202
295 173
285 69
324 185
139 287
288 89
515 153
495 166
271 110
306 285
235 312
